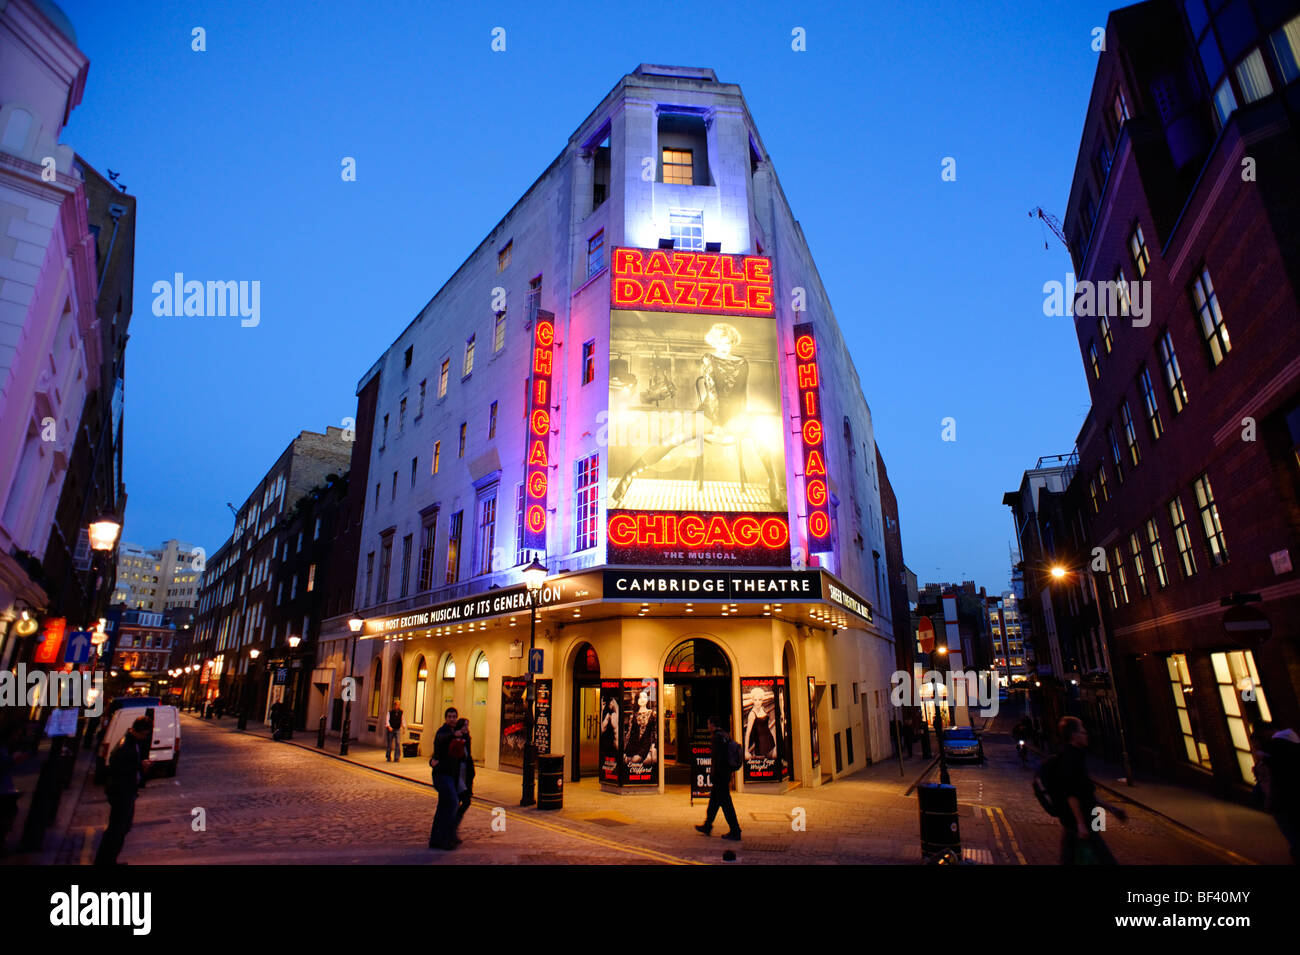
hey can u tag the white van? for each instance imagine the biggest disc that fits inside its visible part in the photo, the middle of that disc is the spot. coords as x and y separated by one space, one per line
164 748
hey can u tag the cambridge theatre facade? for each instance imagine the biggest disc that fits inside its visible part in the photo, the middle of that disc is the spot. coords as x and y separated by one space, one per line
636 378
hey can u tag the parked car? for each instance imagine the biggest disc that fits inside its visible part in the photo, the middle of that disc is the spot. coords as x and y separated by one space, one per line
165 741
960 742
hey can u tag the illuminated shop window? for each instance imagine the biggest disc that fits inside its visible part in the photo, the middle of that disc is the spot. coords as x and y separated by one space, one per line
377 672
1189 720
421 682
1244 704
679 166
686 229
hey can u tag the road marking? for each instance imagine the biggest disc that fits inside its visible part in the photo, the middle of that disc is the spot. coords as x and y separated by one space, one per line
1011 835
997 834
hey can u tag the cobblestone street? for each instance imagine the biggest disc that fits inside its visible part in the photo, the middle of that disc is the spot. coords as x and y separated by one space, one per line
279 803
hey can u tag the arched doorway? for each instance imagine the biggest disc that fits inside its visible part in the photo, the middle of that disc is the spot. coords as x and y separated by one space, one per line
479 673
376 689
697 685
446 695
788 715
418 716
397 683
586 714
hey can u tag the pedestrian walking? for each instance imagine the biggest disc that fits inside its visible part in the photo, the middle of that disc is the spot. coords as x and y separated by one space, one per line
125 768
465 777
219 706
726 760
278 720
393 729
1075 796
446 770
1277 777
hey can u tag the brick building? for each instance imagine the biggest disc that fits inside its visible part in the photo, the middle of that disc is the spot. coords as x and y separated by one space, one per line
1184 219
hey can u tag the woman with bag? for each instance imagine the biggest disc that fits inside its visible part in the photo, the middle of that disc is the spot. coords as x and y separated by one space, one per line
461 749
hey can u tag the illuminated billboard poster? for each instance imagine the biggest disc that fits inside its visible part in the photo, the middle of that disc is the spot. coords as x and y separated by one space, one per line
513 714
762 734
640 732
611 758
816 492
695 437
537 463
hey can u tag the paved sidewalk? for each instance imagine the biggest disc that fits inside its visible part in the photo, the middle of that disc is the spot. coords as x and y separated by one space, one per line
1251 832
864 818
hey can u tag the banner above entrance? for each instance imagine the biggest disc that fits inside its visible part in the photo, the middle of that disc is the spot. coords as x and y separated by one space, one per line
629 586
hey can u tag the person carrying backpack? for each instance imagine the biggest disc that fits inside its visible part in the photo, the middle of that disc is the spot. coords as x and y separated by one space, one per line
726 760
1064 789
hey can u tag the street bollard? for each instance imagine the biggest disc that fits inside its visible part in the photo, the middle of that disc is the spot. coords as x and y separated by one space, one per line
940 832
320 734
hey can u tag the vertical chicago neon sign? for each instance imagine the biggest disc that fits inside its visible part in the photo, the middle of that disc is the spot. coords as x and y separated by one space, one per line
816 492
538 462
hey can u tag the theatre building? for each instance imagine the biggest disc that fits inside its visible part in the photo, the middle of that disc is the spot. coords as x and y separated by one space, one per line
637 379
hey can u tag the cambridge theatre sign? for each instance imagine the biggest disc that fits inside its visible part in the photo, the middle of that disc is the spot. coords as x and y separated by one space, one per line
629 586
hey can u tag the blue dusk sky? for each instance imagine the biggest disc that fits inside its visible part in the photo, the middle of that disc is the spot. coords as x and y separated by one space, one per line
234 154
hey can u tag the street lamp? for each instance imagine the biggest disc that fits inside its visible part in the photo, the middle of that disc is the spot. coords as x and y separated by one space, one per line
1059 573
355 623
534 580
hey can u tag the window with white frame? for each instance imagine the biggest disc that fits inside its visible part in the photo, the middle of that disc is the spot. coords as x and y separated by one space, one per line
686 227
587 502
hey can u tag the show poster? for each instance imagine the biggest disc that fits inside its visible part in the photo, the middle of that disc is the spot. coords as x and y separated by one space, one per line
784 742
513 711
640 746
761 734
542 716
702 761
611 706
812 722
696 440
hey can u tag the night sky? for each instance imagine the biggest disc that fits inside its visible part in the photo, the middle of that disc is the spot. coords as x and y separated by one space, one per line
234 154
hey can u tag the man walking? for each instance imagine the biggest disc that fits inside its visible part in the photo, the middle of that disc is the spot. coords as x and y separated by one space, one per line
393 730
124 768
1082 817
446 770
720 791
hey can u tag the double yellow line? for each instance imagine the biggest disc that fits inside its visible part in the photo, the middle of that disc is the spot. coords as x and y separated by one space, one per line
994 813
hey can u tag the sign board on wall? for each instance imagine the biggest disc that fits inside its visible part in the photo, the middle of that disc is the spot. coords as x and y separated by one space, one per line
538 455
812 723
695 433
629 732
816 492
542 716
702 760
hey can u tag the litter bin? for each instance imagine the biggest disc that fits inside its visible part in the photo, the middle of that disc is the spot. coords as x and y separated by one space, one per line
939 829
411 750
550 781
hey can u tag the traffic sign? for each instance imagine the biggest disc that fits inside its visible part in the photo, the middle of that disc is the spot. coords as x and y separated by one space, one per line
79 647
925 635
1246 626
534 661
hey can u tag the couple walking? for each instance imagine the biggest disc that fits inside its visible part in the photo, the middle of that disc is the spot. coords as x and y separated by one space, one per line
453 777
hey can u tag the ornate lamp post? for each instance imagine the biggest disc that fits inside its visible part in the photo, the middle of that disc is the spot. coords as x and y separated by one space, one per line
534 580
355 623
